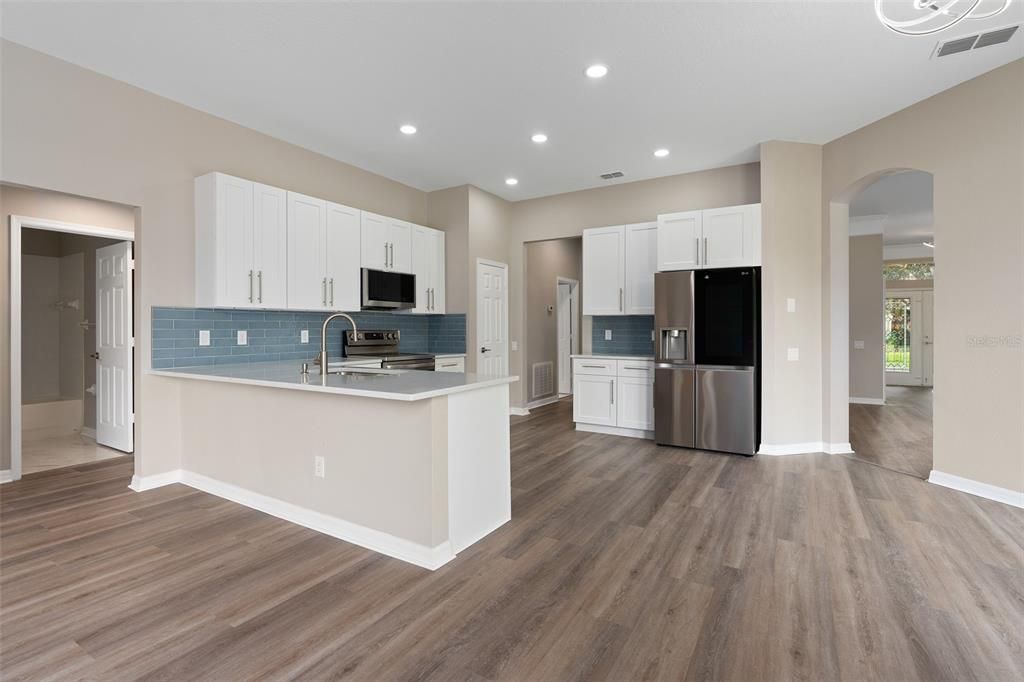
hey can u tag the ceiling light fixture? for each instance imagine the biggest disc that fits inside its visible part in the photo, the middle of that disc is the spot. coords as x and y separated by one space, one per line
511 181
596 71
540 138
925 17
408 129
661 153
930 245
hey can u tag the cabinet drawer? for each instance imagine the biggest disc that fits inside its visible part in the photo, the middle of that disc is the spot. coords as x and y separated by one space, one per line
450 365
594 366
636 368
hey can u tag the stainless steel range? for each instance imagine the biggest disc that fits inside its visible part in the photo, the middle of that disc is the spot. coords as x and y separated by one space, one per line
382 344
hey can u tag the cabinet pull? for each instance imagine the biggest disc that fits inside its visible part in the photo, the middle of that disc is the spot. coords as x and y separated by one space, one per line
705 250
620 299
612 385
385 255
332 292
250 286
323 290
642 369
594 366
696 254
448 364
392 254
259 278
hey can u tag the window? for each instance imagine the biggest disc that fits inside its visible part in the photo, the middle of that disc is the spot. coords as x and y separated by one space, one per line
908 271
897 334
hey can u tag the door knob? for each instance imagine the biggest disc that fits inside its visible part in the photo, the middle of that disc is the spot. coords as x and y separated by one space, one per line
94 356
484 349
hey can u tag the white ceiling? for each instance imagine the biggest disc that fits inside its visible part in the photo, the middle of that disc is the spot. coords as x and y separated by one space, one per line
898 205
707 80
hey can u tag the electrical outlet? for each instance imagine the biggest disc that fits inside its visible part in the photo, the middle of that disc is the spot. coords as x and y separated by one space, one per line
514 346
204 337
243 337
607 334
318 466
792 354
790 305
304 336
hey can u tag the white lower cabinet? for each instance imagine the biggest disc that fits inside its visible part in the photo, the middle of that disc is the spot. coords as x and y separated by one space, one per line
614 396
450 364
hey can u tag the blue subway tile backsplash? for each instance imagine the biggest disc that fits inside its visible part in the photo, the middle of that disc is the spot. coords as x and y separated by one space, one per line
274 334
631 334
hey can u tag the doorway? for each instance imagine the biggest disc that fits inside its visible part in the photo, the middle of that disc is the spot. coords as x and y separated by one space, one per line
909 337
72 344
567 303
491 317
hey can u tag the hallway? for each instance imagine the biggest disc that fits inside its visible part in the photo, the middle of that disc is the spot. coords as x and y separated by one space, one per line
897 435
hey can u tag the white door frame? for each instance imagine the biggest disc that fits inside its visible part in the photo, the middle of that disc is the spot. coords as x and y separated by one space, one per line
476 304
17 224
574 332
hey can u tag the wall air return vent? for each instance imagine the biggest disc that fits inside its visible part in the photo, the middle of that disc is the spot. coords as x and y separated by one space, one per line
612 175
974 42
543 379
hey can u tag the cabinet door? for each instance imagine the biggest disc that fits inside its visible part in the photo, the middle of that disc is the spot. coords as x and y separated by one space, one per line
236 283
593 400
401 245
374 238
679 241
604 270
307 262
423 256
635 403
342 249
270 245
641 263
729 236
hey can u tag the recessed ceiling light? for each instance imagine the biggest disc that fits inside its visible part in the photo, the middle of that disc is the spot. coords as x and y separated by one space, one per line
511 181
661 153
408 129
596 71
540 138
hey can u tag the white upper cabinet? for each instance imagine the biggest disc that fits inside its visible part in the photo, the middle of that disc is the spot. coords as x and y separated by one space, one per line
386 243
241 233
679 241
428 266
641 263
341 244
604 270
712 238
732 236
307 262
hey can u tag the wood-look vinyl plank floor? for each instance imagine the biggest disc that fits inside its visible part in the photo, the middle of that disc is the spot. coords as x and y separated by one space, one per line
897 435
623 560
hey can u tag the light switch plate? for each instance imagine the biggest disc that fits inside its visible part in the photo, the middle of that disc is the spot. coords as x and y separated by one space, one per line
790 305
304 336
513 346
792 354
204 337
858 345
607 334
243 337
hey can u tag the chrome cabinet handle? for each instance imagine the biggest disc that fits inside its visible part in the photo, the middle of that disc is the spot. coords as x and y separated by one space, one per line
594 366
385 254
705 250
323 290
332 292
392 254
620 299
612 385
644 369
259 278
696 255
250 286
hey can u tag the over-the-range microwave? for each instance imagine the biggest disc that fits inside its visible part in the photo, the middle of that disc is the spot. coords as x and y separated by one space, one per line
387 290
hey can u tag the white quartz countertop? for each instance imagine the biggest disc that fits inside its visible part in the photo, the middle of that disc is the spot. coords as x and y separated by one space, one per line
450 355
395 384
598 356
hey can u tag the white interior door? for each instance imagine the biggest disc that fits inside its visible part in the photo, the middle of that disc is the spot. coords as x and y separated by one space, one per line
492 318
565 334
115 404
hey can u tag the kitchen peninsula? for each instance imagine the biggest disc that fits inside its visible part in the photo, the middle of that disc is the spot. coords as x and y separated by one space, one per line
411 464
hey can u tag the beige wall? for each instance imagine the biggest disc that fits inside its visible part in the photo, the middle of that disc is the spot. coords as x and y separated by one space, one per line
90 135
791 256
867 379
567 215
448 209
546 261
67 208
489 218
979 227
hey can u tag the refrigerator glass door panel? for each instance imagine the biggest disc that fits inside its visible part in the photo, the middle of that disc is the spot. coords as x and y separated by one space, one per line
673 316
726 404
674 406
725 315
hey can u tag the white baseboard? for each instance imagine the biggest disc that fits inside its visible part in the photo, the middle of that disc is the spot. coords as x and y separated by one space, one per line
518 411
375 540
838 448
867 401
6 476
88 433
542 402
1013 498
615 431
791 448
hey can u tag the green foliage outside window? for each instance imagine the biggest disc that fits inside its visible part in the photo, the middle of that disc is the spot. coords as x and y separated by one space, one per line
908 271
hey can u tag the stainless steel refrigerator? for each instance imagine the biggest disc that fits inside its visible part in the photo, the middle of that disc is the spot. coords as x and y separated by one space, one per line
707 359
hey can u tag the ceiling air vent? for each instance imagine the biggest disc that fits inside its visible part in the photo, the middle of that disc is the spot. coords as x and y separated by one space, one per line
612 175
999 35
